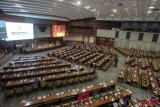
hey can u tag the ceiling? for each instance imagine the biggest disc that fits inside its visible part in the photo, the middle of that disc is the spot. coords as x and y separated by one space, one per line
79 9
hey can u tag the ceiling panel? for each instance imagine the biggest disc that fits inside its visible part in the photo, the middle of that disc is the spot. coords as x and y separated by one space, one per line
79 9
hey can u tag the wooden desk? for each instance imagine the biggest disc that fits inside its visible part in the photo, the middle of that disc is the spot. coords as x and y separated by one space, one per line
30 50
121 76
90 62
47 73
35 60
135 80
154 84
31 65
29 82
87 58
67 94
145 79
5 58
106 66
104 101
103 61
37 68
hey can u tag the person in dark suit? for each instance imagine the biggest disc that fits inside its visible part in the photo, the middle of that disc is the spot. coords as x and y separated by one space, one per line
116 61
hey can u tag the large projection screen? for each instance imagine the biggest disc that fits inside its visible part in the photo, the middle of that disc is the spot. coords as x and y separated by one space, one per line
19 31
58 30
3 34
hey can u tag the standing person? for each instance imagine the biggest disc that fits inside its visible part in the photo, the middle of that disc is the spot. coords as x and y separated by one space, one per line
37 82
116 61
94 70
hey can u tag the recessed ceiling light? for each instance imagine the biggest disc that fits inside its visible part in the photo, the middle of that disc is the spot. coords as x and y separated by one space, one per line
114 10
112 15
148 12
126 9
23 11
106 4
60 0
151 7
93 10
18 5
134 4
87 7
78 3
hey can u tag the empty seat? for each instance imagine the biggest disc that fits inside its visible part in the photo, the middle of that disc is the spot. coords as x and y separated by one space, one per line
49 84
27 88
64 82
76 79
34 86
57 82
43 83
8 92
67 105
87 77
82 78
18 90
70 80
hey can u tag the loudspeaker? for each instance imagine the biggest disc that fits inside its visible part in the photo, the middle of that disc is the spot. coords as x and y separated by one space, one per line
42 28
1 11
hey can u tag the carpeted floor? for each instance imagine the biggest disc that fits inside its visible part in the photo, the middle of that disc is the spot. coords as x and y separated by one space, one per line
103 76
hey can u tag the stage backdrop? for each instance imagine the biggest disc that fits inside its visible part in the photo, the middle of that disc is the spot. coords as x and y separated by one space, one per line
58 30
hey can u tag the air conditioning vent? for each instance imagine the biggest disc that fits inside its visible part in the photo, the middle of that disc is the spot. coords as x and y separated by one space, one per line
156 18
155 9
120 4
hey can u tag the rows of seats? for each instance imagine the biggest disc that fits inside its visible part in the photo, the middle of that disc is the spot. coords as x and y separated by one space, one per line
154 83
4 57
130 76
135 81
145 82
149 75
144 63
131 67
138 53
18 78
123 72
31 63
93 95
2 54
9 90
90 55
155 65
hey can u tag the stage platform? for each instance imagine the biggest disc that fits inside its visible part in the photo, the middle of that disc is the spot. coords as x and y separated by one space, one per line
31 50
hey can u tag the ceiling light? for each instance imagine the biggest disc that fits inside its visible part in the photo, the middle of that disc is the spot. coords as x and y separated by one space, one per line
106 4
112 15
87 7
23 11
114 10
148 12
60 0
126 9
18 5
134 4
151 7
93 10
78 3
